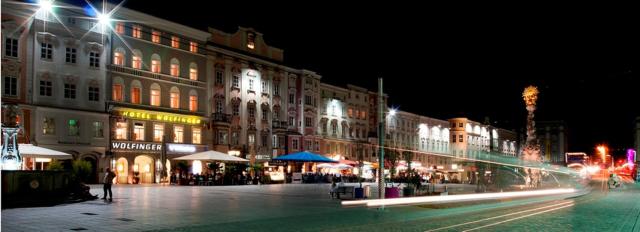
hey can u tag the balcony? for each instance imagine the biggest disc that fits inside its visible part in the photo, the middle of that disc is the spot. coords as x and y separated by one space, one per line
156 76
280 125
221 118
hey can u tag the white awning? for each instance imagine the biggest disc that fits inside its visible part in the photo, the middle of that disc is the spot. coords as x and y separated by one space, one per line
213 156
33 151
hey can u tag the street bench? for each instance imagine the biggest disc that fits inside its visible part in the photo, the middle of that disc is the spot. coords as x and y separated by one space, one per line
344 190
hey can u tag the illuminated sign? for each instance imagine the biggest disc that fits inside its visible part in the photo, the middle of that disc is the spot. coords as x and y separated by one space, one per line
133 146
181 148
161 117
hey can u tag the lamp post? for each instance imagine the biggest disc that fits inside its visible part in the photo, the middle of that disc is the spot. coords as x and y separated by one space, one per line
381 134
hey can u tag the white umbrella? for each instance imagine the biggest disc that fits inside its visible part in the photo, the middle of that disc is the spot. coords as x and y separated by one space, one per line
342 166
30 150
212 155
324 165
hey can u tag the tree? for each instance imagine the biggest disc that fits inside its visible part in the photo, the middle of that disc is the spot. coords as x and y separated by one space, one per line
408 157
55 166
81 170
392 157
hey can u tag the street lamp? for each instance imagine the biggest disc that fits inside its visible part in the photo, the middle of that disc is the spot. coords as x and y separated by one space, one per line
45 5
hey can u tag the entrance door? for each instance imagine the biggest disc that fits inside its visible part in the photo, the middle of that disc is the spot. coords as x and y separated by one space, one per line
93 175
144 169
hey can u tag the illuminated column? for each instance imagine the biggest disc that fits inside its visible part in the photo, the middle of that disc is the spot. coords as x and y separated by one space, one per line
11 159
531 151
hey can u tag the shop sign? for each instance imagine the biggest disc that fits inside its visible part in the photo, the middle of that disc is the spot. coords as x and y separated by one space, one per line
133 146
181 148
176 118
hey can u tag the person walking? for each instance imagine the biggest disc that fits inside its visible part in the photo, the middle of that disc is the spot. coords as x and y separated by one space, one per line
108 180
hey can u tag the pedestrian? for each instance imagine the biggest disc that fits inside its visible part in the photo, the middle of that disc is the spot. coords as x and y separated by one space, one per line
108 180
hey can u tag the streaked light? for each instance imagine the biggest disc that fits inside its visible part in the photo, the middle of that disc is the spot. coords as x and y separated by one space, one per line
45 5
104 19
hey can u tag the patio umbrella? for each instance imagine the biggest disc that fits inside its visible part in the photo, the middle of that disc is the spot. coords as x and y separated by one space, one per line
33 151
324 165
342 166
305 156
213 156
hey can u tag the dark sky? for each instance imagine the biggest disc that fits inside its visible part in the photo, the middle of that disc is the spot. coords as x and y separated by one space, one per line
445 61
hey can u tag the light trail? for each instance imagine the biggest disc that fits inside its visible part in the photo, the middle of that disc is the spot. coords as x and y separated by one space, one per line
516 218
501 216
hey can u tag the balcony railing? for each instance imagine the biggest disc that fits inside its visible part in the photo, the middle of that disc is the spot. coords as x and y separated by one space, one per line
280 124
220 117
157 76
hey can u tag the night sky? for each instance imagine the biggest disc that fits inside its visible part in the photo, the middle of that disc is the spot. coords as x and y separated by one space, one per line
446 61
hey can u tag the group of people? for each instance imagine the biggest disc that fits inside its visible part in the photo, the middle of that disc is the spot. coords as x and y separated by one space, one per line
211 179
329 178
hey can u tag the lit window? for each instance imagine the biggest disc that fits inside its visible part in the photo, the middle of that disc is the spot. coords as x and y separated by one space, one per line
11 47
175 70
155 66
252 139
222 137
70 56
175 42
46 51
136 31
193 47
94 60
158 132
138 131
135 95
155 97
193 73
74 127
175 100
98 130
94 93
363 114
251 40
136 62
178 133
48 126
120 28
193 103
118 58
117 92
155 36
196 135
121 130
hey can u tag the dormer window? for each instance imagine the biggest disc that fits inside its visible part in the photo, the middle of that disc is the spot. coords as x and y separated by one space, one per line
251 40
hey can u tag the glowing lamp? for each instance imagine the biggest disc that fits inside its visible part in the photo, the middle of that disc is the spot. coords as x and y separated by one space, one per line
104 19
147 168
45 5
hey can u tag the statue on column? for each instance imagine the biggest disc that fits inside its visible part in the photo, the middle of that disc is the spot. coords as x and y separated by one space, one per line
11 159
531 149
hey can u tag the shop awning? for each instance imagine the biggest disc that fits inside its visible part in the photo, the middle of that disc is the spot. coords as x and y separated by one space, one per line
33 151
213 156
305 156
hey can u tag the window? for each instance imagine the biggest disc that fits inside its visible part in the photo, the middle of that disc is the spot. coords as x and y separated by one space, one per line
265 114
308 100
155 36
235 139
193 73
175 42
250 84
193 103
236 82
334 128
158 132
251 139
236 109
219 78
460 138
46 51
274 141
264 141
73 127
222 137
94 60
219 108
307 122
178 133
363 114
292 98
251 40
291 121
155 66
118 58
11 47
155 97
252 111
117 92
276 89
459 124
48 126
98 130
94 93
308 145
264 87
350 112
175 70
276 113
135 95
70 56
136 31
193 47
175 100
70 91
196 135
136 62
295 144
357 114
10 85
121 130
316 145
138 131
120 28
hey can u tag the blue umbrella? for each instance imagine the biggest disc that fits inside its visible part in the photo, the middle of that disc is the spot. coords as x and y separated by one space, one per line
305 156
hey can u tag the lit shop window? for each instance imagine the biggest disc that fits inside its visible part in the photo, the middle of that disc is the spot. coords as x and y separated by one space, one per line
196 137
158 132
74 127
178 134
121 130
136 62
155 66
48 126
98 130
175 100
175 69
118 58
138 131
155 97
193 73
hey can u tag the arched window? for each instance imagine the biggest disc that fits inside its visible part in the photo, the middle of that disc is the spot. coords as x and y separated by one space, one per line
193 71
118 89
155 92
174 69
156 63
174 97
136 92
118 57
136 59
193 100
